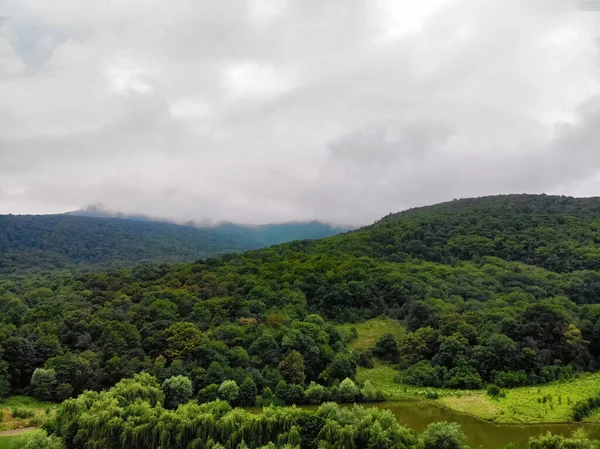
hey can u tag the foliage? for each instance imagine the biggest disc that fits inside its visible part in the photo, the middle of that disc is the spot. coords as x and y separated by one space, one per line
36 440
443 435
45 242
578 440
499 290
586 407
177 390
118 420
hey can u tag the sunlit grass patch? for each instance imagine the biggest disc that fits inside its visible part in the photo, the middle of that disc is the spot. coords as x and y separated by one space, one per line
539 404
370 331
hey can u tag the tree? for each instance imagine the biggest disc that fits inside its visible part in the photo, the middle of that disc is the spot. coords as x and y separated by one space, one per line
178 390
184 340
292 368
443 435
209 393
229 391
386 348
43 384
247 393
342 367
348 390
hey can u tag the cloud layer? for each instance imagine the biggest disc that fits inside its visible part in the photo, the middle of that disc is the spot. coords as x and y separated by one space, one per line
272 110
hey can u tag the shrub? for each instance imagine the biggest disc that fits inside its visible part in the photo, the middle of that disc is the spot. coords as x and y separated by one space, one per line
37 440
495 391
584 408
369 393
21 413
431 394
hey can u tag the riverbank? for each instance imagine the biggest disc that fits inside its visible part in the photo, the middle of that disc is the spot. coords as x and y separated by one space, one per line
550 403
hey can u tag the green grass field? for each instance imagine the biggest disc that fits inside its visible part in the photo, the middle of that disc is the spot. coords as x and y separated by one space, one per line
521 405
370 331
6 441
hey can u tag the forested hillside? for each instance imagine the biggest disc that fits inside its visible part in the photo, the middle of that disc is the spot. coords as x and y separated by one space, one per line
496 290
44 242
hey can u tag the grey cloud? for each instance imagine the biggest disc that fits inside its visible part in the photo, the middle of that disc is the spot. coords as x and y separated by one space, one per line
266 110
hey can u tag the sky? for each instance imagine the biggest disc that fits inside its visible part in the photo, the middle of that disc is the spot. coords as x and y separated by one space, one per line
275 110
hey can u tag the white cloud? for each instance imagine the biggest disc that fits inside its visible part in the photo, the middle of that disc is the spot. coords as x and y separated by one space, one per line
264 110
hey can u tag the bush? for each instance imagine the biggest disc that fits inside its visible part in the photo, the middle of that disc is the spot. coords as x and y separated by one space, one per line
431 394
21 413
494 391
369 393
37 440
584 408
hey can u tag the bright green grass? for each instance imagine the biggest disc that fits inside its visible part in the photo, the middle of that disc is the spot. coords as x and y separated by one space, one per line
520 405
371 330
6 441
24 402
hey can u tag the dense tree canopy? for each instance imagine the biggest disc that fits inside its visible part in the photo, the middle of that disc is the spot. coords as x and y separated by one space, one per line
521 307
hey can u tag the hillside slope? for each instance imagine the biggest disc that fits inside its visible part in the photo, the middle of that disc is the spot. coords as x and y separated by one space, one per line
559 233
508 314
51 241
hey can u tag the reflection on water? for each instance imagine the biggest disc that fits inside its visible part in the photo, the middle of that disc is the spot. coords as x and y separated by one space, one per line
417 415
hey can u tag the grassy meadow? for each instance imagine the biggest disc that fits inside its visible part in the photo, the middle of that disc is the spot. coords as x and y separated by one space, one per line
540 404
370 331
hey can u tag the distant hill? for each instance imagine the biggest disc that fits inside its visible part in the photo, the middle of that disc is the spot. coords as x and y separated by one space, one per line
43 242
558 233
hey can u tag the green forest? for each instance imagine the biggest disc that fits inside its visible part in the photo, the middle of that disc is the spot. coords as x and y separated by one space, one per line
41 243
494 293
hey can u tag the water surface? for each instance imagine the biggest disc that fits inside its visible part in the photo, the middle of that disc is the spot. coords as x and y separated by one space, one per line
418 415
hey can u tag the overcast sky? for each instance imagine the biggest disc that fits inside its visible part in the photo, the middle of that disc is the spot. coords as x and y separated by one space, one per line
273 110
